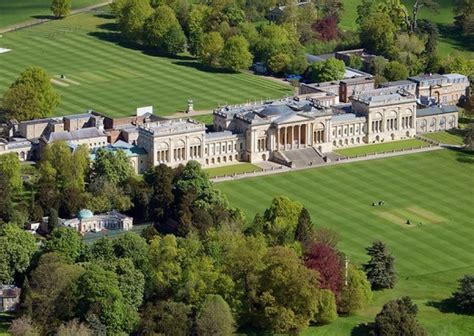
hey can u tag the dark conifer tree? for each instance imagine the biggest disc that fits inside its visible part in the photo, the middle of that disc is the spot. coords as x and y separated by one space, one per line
380 268
304 229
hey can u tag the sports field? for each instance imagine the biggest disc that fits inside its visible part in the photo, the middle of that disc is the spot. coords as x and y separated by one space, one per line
382 147
114 79
448 44
433 190
16 11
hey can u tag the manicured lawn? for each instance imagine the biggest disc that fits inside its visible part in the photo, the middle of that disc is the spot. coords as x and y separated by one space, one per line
449 138
380 148
434 188
449 43
15 11
114 79
232 169
207 119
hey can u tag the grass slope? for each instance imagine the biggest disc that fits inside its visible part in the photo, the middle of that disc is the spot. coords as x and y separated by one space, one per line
115 80
432 187
16 11
383 147
448 43
447 137
232 169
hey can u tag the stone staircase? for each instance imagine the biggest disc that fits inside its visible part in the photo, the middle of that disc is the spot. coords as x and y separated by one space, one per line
303 157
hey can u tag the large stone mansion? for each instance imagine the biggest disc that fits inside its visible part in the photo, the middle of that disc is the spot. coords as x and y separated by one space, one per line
311 125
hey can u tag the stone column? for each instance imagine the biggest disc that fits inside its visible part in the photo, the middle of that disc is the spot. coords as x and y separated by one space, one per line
286 138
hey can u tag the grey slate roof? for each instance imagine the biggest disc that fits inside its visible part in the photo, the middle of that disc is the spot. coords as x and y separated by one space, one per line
434 110
84 133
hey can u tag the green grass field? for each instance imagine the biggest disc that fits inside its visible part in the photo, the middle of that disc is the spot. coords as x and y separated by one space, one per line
113 79
434 188
448 43
380 148
16 11
448 138
232 169
207 119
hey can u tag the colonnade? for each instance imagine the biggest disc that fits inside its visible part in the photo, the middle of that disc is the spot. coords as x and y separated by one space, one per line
291 136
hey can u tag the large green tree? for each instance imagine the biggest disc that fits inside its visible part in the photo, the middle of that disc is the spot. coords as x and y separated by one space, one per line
31 96
329 70
131 17
17 248
163 31
215 317
115 167
51 284
464 295
66 242
61 8
236 55
97 292
356 294
10 167
395 70
398 317
211 49
377 33
380 269
286 299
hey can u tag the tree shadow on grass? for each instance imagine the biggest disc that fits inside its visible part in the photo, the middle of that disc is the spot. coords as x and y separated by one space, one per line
43 17
464 156
204 68
459 40
445 306
363 329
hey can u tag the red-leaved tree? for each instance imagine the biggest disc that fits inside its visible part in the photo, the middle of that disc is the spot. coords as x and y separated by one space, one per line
326 260
326 28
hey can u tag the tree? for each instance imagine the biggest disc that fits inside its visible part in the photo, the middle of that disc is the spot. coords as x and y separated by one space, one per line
469 139
356 294
31 96
211 49
162 30
65 241
160 179
355 62
458 64
115 167
6 201
287 293
167 318
380 268
327 309
17 247
132 17
131 282
431 5
279 63
134 247
74 328
395 70
398 317
215 317
329 264
10 167
464 16
377 33
51 285
236 55
61 8
97 292
23 326
328 70
197 23
53 220
326 28
281 220
410 49
464 296
304 229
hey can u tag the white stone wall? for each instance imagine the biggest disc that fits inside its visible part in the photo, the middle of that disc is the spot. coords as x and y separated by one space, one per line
435 123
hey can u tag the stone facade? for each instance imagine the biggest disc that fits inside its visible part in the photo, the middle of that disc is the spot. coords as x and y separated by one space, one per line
86 221
445 89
